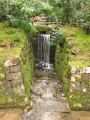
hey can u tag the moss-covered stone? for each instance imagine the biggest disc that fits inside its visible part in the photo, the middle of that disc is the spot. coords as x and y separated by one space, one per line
62 68
39 75
51 75
43 28
18 99
79 101
27 66
3 98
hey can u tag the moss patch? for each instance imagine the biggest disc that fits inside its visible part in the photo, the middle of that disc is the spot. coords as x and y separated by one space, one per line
3 98
80 42
39 75
79 101
42 28
62 68
18 99
27 66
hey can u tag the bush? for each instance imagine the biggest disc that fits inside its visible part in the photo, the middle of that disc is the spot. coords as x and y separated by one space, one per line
17 37
57 37
52 17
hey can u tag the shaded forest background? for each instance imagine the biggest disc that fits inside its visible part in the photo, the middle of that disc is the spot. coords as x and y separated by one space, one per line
20 13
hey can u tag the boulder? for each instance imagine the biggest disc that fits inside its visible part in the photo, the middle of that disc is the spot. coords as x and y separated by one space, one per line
12 62
9 91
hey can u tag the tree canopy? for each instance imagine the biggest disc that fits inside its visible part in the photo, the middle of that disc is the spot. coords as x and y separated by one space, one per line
21 12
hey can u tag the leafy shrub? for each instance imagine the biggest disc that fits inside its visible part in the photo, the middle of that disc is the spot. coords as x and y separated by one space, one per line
57 37
52 17
17 37
12 21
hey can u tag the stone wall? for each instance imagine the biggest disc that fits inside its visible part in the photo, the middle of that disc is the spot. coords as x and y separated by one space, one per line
80 88
12 89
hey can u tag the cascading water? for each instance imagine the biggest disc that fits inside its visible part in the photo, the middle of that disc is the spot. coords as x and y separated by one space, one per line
44 50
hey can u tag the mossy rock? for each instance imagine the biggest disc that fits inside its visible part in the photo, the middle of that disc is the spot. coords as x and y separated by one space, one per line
50 75
3 98
2 77
39 75
43 28
18 99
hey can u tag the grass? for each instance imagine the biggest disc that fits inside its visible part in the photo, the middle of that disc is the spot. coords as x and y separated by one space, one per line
7 34
81 45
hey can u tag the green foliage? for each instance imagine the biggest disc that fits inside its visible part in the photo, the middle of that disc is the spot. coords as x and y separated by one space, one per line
41 28
57 37
62 68
52 17
50 75
83 16
18 99
27 66
79 101
3 98
12 35
17 37
39 75
79 40
19 12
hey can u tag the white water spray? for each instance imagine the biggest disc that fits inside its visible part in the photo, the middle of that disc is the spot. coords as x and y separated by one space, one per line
44 50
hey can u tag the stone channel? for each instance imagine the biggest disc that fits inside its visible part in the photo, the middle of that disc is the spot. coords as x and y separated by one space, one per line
47 98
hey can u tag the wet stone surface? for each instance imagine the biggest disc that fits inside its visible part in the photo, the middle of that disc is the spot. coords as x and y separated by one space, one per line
47 99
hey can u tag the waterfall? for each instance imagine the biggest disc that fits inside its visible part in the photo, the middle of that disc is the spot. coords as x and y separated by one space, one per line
44 50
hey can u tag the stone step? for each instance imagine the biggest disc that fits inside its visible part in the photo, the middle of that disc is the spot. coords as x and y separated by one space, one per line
45 116
51 106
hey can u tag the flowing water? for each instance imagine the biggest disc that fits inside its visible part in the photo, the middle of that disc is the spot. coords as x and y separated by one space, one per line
43 53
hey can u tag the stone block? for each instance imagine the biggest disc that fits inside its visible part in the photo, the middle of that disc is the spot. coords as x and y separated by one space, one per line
12 62
73 75
5 85
14 69
19 89
72 88
85 70
78 76
10 100
9 91
74 70
78 86
16 83
85 77
13 76
2 75
73 79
